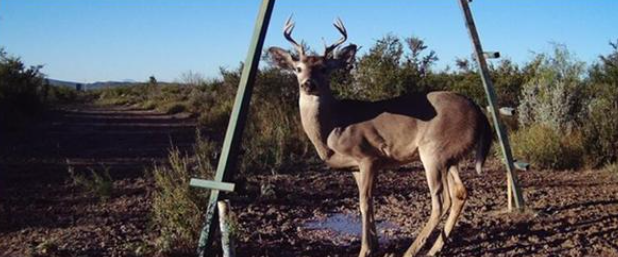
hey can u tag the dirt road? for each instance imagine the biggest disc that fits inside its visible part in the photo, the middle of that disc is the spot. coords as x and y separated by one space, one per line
41 207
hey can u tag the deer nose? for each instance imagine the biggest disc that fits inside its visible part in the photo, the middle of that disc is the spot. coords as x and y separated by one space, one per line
309 85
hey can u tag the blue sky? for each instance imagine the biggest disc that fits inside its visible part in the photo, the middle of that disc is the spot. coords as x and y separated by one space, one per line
99 40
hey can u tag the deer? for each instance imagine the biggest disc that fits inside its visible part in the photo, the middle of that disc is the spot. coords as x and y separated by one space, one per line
440 129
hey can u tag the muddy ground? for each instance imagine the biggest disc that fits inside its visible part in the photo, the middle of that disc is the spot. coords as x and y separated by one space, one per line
311 213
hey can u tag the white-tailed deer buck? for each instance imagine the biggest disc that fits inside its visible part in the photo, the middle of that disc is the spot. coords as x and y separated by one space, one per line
438 128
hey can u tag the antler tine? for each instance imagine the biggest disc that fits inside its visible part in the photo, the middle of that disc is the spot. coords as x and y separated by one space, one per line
287 33
341 28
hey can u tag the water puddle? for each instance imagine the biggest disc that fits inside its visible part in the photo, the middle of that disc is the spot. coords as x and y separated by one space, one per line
348 225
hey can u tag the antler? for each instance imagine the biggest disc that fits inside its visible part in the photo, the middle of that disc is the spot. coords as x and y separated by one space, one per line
339 26
287 33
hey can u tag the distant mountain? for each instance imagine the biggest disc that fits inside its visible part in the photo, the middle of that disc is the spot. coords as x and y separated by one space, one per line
62 83
102 84
95 85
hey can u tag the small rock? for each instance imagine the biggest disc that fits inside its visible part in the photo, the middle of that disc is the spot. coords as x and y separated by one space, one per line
568 244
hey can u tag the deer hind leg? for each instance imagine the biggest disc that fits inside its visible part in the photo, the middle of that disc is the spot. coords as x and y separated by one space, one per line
433 170
365 179
446 197
458 195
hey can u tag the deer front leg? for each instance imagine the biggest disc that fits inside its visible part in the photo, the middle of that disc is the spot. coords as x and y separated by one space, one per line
365 179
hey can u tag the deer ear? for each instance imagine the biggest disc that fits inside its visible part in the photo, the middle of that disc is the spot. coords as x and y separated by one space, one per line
345 57
347 54
282 58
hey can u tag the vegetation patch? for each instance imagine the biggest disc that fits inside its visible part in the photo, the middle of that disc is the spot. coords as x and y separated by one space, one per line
546 148
177 208
99 183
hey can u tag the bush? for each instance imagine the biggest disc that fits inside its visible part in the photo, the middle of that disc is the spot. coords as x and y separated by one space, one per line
601 129
120 95
176 211
216 118
274 140
470 85
149 105
606 71
99 183
174 108
554 96
546 148
390 69
20 91
61 94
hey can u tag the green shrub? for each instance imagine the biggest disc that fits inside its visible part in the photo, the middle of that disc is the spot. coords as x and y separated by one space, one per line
606 70
176 211
149 105
546 148
198 99
390 69
274 140
61 95
174 108
601 127
20 91
122 95
216 118
508 80
470 85
554 96
98 183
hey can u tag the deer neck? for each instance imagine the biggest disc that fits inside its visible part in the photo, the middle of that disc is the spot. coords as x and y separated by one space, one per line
316 118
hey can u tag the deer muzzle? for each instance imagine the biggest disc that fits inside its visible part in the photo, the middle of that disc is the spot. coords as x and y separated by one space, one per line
309 86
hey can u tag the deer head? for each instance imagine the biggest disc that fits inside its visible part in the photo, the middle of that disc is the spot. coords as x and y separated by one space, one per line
313 71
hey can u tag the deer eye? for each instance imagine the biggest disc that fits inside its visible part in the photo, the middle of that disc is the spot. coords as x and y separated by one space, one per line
299 69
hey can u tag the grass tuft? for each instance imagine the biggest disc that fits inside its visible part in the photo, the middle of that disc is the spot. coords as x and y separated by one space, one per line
98 183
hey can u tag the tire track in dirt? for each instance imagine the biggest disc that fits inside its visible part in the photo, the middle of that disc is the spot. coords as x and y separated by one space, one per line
38 203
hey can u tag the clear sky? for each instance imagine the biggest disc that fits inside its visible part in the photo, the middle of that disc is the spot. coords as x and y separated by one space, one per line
100 40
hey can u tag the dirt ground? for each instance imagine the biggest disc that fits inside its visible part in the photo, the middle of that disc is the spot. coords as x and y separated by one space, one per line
310 213
39 205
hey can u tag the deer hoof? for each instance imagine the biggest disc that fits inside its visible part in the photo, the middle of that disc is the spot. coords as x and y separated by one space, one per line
365 252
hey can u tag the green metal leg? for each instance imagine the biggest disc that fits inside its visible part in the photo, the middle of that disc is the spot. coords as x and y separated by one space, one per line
233 136
514 192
